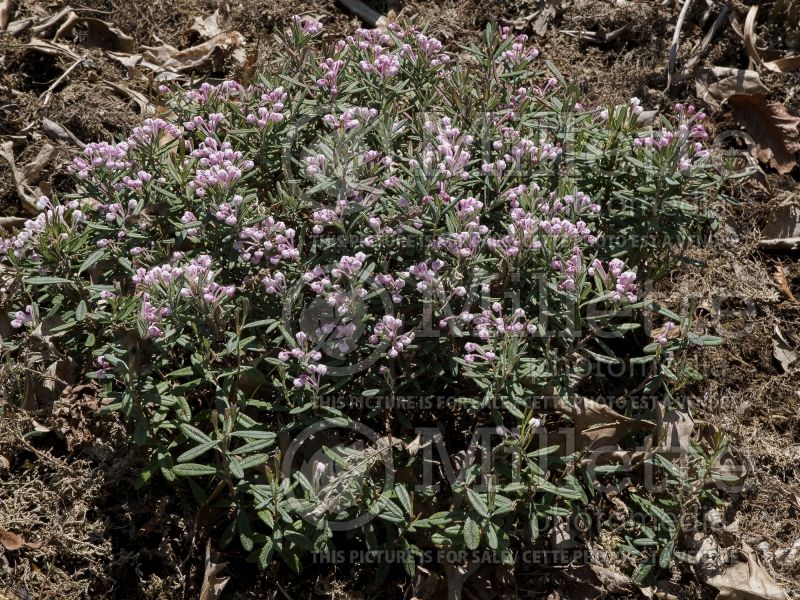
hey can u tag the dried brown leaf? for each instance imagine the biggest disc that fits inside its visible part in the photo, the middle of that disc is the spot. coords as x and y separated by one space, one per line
51 48
765 57
50 23
145 106
26 195
99 34
782 350
213 582
546 15
783 284
210 54
6 8
19 26
136 62
33 169
720 83
749 36
131 61
677 432
12 222
598 424
670 335
10 540
782 231
773 129
208 26
746 581
786 64
42 389
56 131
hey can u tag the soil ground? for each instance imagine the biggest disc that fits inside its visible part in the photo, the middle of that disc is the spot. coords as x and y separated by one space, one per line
66 475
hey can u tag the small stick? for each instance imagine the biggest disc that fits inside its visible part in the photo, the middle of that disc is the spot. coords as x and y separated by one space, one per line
723 14
369 15
12 222
676 38
54 85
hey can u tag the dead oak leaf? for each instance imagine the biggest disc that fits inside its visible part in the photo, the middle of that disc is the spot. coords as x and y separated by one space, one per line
598 425
213 581
782 232
783 284
12 541
774 131
718 84
746 581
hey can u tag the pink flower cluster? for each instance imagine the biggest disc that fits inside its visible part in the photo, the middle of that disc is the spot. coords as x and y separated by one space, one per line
117 212
426 275
199 282
624 282
330 75
101 155
104 368
313 371
268 239
576 204
450 154
570 270
53 223
196 280
206 125
162 275
322 218
315 164
351 118
312 378
491 322
389 331
307 25
221 166
669 327
229 212
382 64
689 138
207 92
152 313
151 131
462 244
189 217
22 317
426 46
522 235
272 111
522 152
343 286
301 352
275 283
557 227
518 52
155 281
394 285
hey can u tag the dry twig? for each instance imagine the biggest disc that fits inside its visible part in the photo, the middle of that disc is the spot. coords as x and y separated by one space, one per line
676 38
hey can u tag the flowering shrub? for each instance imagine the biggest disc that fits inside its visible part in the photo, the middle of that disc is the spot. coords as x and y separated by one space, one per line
365 225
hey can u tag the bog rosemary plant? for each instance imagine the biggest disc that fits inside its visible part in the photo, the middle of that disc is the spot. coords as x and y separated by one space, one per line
373 236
